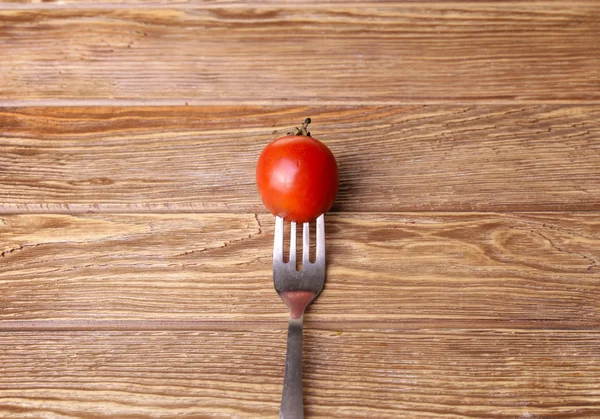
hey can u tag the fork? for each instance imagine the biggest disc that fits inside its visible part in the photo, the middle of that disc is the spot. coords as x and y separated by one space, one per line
297 288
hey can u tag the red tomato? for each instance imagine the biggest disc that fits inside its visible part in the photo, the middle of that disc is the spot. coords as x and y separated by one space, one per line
297 177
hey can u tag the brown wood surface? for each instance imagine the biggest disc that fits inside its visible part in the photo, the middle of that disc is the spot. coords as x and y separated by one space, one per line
457 269
407 51
354 374
463 251
110 4
392 158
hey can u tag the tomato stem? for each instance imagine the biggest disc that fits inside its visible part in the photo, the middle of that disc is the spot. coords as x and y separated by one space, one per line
303 130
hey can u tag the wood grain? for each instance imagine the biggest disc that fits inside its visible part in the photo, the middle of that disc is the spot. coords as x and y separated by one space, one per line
375 374
463 250
110 4
392 158
463 270
402 52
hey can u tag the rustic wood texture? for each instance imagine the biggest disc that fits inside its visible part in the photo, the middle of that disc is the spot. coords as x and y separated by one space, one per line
392 158
111 4
408 51
463 250
442 270
357 374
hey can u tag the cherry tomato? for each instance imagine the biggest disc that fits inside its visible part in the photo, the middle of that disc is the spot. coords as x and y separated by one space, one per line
297 177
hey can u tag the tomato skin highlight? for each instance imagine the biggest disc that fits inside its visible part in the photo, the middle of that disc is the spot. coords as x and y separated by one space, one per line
297 178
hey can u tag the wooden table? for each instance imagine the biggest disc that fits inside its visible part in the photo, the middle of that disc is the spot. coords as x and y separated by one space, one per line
464 248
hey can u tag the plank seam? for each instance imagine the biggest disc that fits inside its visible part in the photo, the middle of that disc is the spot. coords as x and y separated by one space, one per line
254 5
183 102
7 326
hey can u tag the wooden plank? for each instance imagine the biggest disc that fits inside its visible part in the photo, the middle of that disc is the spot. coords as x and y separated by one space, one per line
383 374
412 51
396 158
54 4
468 270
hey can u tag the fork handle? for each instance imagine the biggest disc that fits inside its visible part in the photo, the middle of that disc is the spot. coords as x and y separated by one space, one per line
292 406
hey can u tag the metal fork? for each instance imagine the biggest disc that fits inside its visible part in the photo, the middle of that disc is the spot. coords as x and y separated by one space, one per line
297 288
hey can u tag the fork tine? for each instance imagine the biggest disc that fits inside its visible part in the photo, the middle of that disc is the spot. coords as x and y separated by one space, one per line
305 244
321 240
293 245
278 243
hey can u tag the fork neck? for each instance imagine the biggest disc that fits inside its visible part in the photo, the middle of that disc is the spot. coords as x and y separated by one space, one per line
297 301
